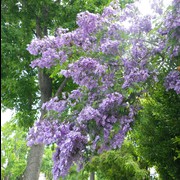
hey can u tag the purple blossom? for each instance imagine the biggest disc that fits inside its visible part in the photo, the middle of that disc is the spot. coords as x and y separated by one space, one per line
172 81
47 60
85 72
70 143
108 11
139 50
38 46
55 105
157 6
60 31
88 21
69 150
112 100
75 94
118 139
50 55
110 47
175 51
115 56
44 132
88 113
136 75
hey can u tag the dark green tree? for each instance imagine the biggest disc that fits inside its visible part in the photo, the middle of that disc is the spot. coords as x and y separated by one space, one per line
157 130
122 164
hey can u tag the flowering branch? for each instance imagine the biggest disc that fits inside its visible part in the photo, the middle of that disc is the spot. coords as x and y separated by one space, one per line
112 65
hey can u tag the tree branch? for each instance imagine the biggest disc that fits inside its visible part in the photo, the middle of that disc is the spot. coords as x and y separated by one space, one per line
61 87
34 32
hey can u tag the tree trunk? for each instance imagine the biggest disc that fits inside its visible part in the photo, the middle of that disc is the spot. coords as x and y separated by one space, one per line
92 176
32 170
36 152
34 162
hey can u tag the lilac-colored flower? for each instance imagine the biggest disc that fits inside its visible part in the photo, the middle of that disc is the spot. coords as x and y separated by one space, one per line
44 132
75 94
110 47
88 113
136 75
172 81
55 105
111 101
139 50
88 21
85 72
69 150
117 47
108 11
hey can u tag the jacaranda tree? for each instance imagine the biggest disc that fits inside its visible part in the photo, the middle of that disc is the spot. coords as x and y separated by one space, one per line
114 58
22 88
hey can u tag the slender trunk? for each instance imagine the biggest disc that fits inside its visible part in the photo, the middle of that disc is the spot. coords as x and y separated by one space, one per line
36 152
34 162
92 176
6 177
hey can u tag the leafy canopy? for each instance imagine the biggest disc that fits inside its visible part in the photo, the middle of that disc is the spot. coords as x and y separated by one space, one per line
114 58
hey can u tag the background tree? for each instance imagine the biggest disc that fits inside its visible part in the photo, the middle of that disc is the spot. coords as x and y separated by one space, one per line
119 164
13 151
156 129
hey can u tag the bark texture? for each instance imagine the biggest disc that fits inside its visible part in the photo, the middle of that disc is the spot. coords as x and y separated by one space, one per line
92 176
32 170
34 162
36 152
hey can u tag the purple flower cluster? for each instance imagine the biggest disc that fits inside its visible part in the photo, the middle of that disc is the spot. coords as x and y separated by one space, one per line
116 139
135 76
37 46
170 30
172 81
88 113
88 22
44 132
75 94
70 143
110 47
85 72
55 105
139 50
69 150
111 100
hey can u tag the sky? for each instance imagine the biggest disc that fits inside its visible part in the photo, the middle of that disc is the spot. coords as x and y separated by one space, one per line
6 116
145 8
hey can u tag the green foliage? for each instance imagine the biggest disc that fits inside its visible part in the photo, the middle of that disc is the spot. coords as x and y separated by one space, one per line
74 175
124 2
13 151
176 141
118 164
157 131
47 163
18 79
20 89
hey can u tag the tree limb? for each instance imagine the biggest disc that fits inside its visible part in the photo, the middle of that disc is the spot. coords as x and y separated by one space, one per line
34 32
61 87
